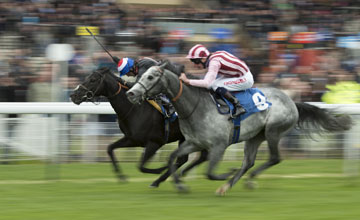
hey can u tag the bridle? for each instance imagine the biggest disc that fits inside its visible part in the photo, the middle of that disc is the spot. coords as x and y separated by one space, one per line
90 95
154 84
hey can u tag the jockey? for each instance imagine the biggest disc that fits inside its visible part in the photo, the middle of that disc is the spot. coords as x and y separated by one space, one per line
225 73
130 67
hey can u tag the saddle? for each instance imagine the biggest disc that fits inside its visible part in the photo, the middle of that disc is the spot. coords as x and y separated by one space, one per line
253 100
164 106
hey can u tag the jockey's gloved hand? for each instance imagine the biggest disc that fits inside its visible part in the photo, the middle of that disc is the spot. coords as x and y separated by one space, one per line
116 60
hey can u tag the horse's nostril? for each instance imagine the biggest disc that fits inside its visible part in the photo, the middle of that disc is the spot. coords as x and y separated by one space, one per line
129 94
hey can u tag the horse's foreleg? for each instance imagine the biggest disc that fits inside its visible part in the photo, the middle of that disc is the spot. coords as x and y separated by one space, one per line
121 143
172 167
201 159
179 162
149 151
250 151
184 149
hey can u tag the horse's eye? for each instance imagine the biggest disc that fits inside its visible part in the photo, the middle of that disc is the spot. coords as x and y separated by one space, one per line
150 77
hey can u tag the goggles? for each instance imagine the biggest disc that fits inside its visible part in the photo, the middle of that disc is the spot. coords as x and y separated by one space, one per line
196 61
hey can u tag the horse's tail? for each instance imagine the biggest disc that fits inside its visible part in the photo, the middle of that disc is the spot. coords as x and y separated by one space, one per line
321 120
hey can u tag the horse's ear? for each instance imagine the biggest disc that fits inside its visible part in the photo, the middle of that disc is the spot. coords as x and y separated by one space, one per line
163 65
103 70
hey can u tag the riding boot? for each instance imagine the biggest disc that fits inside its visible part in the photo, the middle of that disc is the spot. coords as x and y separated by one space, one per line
238 108
170 110
165 102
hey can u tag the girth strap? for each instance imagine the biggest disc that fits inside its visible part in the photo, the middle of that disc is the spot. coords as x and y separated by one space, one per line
157 106
167 120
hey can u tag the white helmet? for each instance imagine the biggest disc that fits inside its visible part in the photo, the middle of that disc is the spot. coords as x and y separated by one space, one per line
198 51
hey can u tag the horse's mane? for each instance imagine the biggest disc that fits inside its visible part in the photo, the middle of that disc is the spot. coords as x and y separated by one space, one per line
191 76
107 70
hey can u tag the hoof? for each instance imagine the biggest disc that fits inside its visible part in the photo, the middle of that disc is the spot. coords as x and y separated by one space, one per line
182 188
182 173
250 184
122 178
154 185
233 170
221 191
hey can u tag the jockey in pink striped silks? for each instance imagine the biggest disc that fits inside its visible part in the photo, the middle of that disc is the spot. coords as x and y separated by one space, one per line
225 73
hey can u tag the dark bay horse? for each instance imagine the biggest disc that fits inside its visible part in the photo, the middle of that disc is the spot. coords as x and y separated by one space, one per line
142 125
204 128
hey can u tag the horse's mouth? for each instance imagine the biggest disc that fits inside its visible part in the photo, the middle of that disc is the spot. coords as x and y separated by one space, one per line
76 100
133 98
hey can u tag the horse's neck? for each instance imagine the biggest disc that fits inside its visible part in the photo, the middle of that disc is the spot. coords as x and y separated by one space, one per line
121 105
189 100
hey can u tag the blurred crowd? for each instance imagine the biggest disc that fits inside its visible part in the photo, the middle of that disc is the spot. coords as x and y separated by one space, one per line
304 47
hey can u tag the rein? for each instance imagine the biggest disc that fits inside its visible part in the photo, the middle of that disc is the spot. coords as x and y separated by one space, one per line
119 90
179 93
197 103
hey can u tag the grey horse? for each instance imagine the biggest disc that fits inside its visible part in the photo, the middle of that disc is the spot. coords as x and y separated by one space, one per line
204 128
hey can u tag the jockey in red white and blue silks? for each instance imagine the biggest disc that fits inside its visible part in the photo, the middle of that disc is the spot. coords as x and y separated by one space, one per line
130 67
125 65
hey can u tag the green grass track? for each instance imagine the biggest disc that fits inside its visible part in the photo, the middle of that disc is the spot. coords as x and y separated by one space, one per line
295 189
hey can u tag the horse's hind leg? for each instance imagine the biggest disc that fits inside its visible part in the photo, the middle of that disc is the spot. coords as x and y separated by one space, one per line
149 151
121 143
250 151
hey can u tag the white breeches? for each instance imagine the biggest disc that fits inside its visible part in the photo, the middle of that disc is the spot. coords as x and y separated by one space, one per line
234 84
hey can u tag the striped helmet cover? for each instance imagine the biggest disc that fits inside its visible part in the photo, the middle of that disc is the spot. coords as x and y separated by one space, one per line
198 51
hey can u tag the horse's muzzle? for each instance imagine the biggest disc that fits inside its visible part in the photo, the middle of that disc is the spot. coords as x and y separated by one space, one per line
134 98
76 99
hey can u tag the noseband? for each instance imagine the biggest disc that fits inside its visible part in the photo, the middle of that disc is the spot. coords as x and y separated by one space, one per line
90 95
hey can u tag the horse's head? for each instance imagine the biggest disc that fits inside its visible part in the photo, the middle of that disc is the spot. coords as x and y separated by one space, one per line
93 86
148 85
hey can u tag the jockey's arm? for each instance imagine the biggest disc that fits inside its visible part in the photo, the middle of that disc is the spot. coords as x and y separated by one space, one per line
210 76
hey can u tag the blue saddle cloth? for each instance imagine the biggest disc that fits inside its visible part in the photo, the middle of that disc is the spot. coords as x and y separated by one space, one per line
253 100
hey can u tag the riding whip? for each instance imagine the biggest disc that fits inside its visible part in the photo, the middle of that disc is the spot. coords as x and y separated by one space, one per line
115 59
